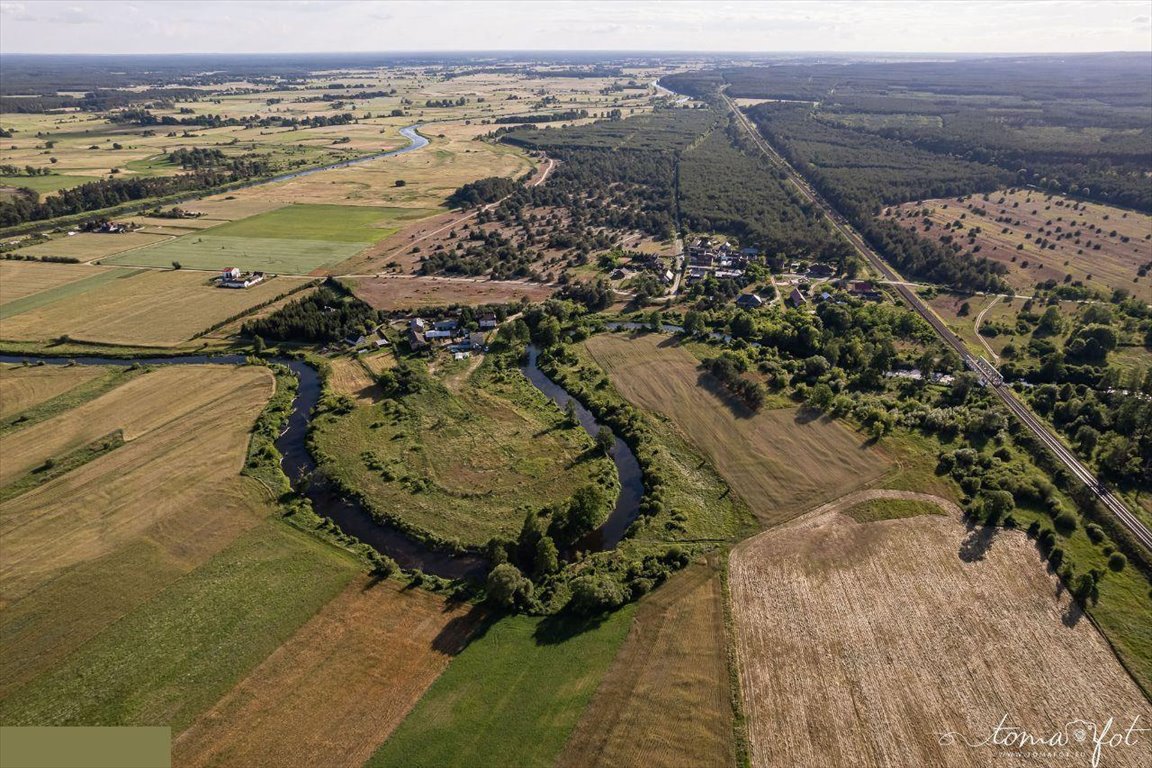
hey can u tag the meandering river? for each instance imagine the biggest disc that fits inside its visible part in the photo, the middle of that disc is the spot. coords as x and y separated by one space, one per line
351 516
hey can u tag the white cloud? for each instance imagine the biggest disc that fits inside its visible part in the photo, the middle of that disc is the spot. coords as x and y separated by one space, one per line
115 26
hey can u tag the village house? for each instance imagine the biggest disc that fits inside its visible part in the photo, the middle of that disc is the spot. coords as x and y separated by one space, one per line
749 301
488 321
797 298
234 278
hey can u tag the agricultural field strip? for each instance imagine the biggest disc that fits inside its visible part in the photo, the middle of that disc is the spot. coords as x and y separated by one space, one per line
355 669
62 292
24 387
825 597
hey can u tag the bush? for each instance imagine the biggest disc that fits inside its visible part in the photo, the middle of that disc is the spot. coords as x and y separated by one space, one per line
1117 561
1095 533
1065 522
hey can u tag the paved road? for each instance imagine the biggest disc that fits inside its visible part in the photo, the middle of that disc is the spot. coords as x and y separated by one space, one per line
1116 507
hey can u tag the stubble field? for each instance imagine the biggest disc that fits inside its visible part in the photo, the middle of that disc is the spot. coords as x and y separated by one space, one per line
780 461
666 698
338 687
148 308
22 387
826 602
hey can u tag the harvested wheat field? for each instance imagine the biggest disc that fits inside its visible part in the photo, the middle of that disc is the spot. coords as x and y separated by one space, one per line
24 278
338 687
181 446
87 548
22 387
152 308
410 292
779 461
666 699
865 644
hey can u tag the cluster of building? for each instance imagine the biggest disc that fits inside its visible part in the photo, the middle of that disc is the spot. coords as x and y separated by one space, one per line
724 260
232 277
423 334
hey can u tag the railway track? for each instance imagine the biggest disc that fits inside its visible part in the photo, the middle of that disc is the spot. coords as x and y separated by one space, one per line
985 369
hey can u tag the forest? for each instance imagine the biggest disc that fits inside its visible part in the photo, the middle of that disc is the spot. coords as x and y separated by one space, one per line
327 315
1073 124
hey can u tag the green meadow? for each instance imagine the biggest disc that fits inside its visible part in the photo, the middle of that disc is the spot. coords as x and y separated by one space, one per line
511 698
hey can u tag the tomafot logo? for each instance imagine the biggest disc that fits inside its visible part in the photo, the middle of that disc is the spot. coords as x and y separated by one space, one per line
1073 741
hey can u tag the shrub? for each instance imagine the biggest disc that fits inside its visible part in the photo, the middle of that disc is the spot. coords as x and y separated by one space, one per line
1117 561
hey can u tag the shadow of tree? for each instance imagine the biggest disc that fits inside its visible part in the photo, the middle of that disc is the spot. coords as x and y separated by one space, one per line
462 630
712 385
559 628
1072 614
977 543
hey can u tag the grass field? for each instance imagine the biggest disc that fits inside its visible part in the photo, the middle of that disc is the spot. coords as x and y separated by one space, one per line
463 463
170 658
150 308
781 461
23 387
1027 216
408 292
337 688
88 548
88 246
293 239
511 698
837 671
212 252
20 279
333 223
44 184
666 700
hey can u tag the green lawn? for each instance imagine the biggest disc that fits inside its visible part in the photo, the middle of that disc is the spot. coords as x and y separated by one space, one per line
335 223
175 655
511 698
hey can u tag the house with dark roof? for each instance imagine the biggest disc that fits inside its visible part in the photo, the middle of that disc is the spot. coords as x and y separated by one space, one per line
749 301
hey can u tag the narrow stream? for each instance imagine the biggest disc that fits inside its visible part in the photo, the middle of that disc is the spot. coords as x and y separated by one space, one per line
349 515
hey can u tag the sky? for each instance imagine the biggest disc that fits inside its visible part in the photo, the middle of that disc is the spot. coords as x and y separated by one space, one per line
767 26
